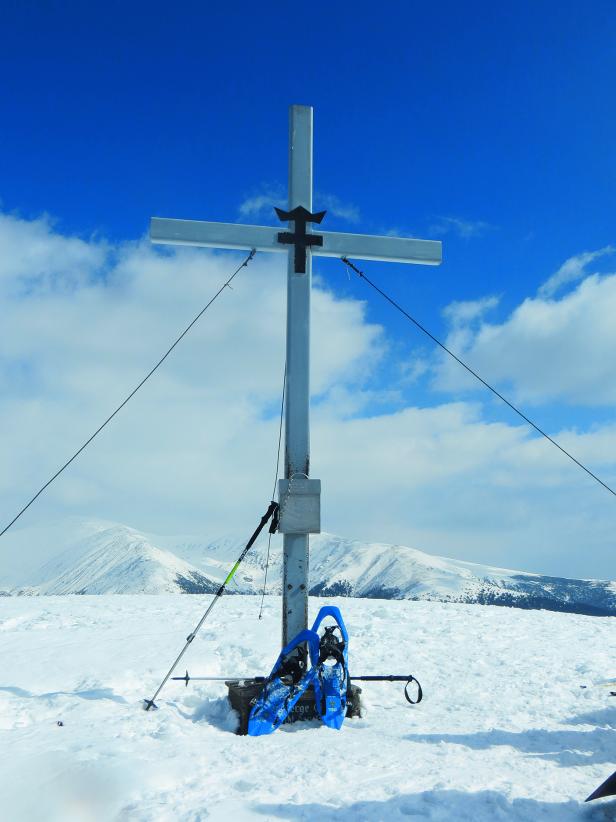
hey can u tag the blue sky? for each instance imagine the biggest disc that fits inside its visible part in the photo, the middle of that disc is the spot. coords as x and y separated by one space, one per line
497 117
488 126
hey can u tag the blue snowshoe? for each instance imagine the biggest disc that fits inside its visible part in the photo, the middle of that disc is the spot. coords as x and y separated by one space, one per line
332 679
289 679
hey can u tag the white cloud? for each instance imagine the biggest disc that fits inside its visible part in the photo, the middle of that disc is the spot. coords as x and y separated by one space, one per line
68 356
194 450
572 270
461 227
546 350
262 203
413 369
445 480
459 312
36 258
337 208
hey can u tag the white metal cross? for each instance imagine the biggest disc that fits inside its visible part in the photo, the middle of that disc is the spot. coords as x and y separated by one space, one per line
299 496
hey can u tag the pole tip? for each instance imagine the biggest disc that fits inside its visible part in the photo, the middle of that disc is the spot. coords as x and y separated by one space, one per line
148 704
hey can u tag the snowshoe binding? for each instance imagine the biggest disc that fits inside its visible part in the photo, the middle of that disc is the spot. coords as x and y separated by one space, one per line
332 677
289 679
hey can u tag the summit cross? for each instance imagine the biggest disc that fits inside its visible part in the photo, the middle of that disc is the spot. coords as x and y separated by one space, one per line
299 496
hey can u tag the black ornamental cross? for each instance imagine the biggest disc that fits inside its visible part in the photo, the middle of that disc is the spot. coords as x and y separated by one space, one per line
299 238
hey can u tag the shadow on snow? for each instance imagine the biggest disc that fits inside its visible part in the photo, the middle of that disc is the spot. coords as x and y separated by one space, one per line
92 693
444 805
567 748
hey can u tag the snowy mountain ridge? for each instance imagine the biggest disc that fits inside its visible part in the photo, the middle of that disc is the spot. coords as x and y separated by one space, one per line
95 557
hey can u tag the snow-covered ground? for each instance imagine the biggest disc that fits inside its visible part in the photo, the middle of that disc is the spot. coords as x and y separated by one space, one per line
504 732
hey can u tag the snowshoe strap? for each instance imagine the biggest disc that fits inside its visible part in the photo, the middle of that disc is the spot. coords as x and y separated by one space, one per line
332 611
332 647
294 666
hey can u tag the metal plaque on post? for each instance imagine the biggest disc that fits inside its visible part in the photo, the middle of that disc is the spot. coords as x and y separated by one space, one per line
300 506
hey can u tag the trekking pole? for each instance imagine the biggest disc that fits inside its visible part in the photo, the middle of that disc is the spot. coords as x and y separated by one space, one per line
186 678
408 678
272 512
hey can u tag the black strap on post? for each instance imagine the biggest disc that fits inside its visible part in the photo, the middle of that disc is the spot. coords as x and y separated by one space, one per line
272 512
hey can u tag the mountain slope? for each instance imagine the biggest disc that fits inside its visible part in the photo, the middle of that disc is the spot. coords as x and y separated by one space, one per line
115 559
97 557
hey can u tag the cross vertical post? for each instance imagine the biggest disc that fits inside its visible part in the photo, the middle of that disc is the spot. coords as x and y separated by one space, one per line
297 418
299 496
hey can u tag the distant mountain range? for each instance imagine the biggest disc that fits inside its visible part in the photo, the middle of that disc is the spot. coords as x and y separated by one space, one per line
95 557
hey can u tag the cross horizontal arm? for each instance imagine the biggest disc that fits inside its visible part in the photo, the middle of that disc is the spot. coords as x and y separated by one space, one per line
373 247
265 238
215 235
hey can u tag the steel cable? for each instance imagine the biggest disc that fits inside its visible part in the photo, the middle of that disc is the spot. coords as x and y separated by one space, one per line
269 540
132 393
396 305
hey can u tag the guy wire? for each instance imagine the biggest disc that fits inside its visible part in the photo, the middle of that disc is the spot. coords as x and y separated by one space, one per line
396 305
226 284
269 538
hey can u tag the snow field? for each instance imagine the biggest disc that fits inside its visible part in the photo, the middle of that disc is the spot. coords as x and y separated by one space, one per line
504 732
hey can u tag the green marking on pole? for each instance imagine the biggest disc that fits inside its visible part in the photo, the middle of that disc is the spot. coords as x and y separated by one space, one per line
231 572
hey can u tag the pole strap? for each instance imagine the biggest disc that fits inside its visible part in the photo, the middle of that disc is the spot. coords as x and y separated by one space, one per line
394 678
419 691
